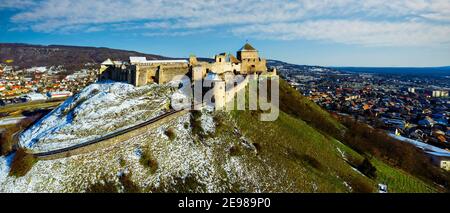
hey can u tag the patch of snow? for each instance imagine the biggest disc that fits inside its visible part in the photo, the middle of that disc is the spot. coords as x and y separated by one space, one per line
207 123
342 153
357 171
94 112
424 146
12 120
348 186
5 164
137 153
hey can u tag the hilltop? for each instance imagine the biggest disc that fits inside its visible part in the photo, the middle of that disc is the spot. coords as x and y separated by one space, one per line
207 151
85 116
71 57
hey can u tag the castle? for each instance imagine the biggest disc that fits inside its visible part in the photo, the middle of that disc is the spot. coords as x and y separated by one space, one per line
139 71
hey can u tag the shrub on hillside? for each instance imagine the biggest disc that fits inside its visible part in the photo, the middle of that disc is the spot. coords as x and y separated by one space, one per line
9 137
359 185
148 161
367 168
22 163
6 142
104 186
196 124
189 184
234 150
128 185
170 133
312 161
219 122
257 147
305 158
367 140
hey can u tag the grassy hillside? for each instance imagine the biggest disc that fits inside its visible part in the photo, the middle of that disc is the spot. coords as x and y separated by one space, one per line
307 155
303 141
390 169
296 105
396 179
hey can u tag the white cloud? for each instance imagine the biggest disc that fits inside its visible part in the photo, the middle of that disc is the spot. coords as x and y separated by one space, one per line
367 33
369 22
176 33
15 4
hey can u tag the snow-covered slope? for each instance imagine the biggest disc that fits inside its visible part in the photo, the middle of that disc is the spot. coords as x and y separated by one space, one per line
5 162
207 151
183 164
98 109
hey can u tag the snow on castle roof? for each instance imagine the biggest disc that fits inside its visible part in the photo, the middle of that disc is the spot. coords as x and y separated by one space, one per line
137 60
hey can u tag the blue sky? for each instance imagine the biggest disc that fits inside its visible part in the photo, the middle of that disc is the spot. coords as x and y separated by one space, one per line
314 32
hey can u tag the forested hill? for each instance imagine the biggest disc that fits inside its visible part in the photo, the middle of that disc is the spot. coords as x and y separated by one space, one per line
71 57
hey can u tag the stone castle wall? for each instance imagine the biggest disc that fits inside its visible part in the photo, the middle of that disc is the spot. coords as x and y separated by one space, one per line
142 71
167 73
224 96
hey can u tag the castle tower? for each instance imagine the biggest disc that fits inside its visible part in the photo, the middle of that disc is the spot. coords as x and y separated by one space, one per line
250 60
247 52
221 58
104 65
192 60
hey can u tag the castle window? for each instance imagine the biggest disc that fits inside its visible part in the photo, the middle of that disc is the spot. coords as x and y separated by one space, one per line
220 59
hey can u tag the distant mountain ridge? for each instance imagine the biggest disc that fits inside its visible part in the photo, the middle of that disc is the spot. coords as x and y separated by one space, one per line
72 57
75 57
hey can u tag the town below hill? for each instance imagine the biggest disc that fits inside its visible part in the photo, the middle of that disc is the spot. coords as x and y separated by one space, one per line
411 103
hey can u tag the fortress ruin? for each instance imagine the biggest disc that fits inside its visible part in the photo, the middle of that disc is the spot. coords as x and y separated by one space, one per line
139 71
